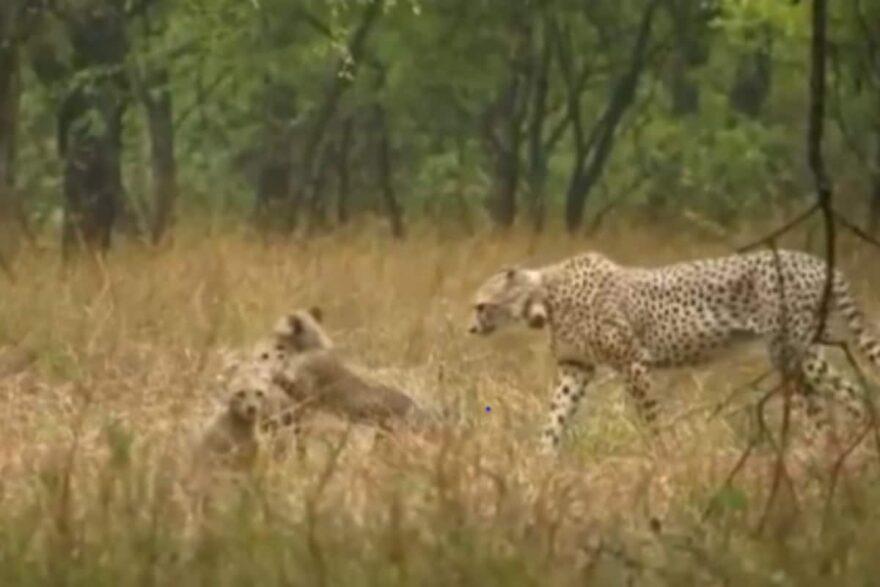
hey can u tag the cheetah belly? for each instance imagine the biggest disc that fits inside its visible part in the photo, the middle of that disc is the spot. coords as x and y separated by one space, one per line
694 335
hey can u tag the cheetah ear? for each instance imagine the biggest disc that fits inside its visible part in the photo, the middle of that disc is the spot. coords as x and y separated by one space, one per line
509 272
316 313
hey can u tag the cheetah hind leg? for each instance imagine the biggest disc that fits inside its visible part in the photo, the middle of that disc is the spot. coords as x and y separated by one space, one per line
816 384
820 378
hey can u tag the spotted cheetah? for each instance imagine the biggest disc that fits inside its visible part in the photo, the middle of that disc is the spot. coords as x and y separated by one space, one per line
636 319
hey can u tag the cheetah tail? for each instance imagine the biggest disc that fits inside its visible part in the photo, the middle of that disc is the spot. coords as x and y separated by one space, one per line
845 303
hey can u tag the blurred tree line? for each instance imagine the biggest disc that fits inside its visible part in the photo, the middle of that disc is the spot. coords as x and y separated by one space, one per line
304 114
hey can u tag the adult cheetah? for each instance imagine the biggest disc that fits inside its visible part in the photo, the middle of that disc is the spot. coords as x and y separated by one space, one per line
636 319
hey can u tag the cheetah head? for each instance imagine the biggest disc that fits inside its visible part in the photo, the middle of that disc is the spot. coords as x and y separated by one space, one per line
301 331
511 294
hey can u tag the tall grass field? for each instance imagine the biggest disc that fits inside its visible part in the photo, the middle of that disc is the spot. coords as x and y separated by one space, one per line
98 485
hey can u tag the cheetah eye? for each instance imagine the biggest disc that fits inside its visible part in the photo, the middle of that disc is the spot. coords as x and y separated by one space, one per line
265 356
240 394
279 347
260 393
480 307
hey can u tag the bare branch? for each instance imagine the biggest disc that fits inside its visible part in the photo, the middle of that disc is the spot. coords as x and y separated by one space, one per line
815 132
788 226
856 230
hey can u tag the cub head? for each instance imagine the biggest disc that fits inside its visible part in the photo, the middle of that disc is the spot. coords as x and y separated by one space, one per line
269 355
245 403
302 331
511 294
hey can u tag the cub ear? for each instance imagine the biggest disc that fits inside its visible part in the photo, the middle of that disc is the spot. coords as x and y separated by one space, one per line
296 326
316 313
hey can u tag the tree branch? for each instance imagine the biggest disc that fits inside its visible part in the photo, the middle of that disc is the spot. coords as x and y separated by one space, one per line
815 132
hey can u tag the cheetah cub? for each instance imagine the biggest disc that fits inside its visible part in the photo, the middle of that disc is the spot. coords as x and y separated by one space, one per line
301 331
253 406
293 333
321 381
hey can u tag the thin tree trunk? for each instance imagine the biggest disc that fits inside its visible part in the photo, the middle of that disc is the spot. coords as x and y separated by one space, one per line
392 206
503 138
90 129
275 163
160 122
874 212
752 81
342 77
10 211
586 175
317 204
92 178
503 122
9 89
342 161
537 169
689 23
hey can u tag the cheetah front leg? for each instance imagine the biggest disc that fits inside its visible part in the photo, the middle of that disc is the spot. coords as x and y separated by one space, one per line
572 381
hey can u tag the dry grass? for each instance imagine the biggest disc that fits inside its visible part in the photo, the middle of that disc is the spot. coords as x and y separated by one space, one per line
97 487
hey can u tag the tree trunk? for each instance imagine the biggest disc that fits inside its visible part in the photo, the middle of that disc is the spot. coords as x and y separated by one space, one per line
275 163
342 77
9 88
392 206
10 211
751 84
90 128
689 22
874 212
504 118
503 138
537 153
586 174
160 122
505 176
317 204
342 161
92 177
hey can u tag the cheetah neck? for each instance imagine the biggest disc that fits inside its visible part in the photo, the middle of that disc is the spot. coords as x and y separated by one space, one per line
533 309
575 282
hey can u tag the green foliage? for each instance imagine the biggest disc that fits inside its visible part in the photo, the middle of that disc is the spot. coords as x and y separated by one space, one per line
730 499
438 68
